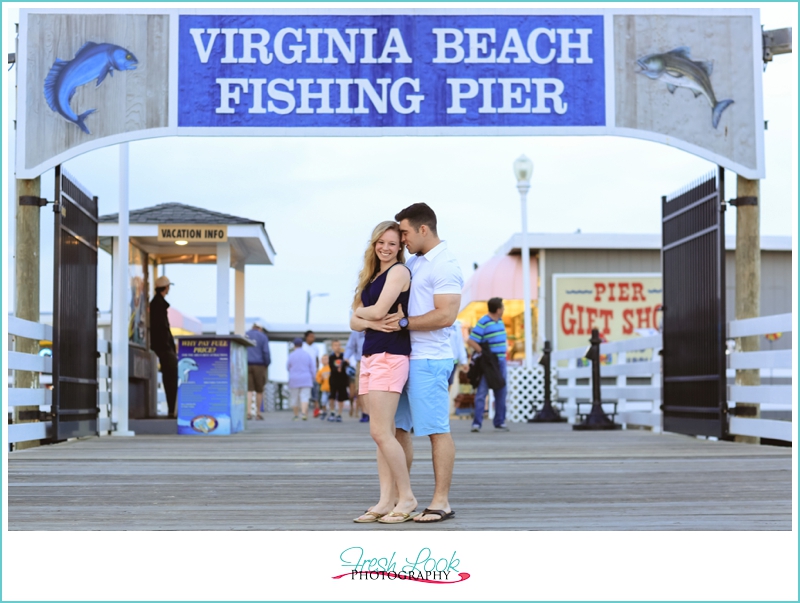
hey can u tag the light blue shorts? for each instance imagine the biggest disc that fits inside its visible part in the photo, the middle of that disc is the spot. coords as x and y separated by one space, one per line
425 401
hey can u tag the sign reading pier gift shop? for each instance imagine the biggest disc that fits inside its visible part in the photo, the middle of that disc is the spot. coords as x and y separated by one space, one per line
686 78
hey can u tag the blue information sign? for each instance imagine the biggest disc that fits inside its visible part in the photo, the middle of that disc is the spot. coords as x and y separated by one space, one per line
212 386
395 71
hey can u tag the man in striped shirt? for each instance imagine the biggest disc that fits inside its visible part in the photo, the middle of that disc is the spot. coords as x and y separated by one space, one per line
490 329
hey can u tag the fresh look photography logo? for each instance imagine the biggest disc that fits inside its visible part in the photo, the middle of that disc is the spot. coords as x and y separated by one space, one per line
424 566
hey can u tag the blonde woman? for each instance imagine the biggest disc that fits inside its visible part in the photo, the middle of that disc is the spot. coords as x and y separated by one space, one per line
383 289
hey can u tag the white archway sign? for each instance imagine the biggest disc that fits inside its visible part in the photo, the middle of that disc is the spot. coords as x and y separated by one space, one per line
89 78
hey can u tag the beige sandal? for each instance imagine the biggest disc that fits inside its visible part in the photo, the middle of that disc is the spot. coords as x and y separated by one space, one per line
374 517
405 517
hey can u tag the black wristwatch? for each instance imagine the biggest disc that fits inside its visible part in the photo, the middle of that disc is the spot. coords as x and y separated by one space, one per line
403 322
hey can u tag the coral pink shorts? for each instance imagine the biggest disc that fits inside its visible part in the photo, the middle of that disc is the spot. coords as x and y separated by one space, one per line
383 373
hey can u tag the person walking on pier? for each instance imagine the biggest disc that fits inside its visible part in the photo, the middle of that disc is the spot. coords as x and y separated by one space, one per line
323 380
383 288
301 377
353 350
258 361
339 382
432 309
163 343
489 336
308 345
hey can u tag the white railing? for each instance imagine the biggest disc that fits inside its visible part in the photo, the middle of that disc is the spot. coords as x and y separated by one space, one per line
43 397
18 396
640 404
635 404
764 397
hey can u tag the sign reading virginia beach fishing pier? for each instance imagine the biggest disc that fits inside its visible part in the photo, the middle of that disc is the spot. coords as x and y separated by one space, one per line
399 71
687 78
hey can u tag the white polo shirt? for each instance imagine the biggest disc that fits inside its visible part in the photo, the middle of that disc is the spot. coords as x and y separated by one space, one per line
436 272
309 349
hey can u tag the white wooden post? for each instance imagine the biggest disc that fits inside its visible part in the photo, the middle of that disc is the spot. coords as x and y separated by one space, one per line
541 302
239 326
526 277
121 308
223 288
655 380
622 381
571 408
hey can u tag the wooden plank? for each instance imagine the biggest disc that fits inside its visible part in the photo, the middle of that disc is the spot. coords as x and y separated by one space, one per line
763 325
570 353
761 428
631 345
583 372
761 394
648 419
103 346
103 371
293 475
631 369
612 392
25 432
131 101
628 345
29 329
25 396
17 361
760 360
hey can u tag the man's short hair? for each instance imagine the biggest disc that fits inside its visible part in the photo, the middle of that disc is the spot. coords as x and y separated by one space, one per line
417 215
307 333
160 289
495 304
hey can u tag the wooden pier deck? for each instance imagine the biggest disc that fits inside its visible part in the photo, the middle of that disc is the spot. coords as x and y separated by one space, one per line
314 475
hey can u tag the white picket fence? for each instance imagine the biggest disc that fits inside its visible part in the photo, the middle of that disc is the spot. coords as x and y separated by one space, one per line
636 404
639 405
769 397
41 396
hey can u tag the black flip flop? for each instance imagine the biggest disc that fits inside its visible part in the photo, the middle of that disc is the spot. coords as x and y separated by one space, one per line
442 515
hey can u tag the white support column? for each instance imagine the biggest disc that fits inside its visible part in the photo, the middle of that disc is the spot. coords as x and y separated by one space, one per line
622 381
120 307
526 276
542 301
239 327
571 408
223 288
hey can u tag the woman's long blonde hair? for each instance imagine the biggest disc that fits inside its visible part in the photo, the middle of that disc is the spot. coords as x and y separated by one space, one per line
371 263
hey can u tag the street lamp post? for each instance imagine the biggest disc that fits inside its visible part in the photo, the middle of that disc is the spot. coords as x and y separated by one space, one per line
523 170
309 296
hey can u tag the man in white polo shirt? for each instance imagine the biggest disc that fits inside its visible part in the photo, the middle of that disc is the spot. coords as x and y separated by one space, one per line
436 284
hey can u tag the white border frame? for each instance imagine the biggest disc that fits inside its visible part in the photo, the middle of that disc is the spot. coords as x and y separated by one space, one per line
558 275
609 129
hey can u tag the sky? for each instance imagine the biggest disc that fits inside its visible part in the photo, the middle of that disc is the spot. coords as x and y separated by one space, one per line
320 197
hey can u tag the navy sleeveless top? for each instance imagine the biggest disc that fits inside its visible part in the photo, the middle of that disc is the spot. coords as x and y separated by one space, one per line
377 342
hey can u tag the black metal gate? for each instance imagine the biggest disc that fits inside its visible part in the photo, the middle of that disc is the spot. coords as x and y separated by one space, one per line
693 271
74 406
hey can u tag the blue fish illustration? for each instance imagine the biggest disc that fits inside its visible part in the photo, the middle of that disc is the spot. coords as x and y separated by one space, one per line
185 366
677 69
92 61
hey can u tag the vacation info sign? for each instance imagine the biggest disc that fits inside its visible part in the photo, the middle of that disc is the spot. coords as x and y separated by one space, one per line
687 78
